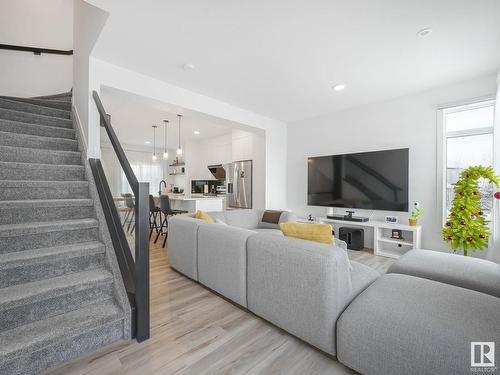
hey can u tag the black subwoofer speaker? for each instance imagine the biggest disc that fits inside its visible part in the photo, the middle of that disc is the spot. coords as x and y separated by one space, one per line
354 237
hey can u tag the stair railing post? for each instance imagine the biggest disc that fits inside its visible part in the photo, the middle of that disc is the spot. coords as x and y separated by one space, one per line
142 261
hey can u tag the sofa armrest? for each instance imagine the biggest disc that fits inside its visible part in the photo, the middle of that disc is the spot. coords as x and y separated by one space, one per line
470 273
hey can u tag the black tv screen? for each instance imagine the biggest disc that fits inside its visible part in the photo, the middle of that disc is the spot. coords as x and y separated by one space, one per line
375 180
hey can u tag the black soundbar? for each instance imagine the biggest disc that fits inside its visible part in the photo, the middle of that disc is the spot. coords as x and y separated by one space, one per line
359 219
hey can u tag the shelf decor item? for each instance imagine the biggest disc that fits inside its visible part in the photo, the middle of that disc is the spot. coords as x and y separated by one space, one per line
415 214
467 227
397 234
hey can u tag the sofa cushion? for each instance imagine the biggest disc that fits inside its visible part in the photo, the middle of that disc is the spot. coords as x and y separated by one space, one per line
471 273
300 286
183 244
285 217
321 233
271 216
202 215
403 324
248 219
222 260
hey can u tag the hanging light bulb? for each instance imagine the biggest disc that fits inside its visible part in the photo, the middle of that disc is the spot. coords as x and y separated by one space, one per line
165 151
179 148
154 143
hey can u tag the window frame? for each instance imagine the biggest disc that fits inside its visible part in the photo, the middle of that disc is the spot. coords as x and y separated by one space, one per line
443 136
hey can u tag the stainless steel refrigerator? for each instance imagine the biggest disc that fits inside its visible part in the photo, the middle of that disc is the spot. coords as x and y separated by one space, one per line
239 184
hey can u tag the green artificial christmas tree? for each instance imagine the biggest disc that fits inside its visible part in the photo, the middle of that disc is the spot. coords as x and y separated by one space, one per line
467 227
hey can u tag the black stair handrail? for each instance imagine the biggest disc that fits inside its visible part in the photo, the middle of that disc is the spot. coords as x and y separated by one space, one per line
36 50
106 124
135 273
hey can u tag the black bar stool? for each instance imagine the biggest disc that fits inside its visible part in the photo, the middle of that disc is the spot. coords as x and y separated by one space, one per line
153 216
167 211
130 206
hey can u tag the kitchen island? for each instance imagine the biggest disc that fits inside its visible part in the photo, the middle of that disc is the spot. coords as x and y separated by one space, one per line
196 203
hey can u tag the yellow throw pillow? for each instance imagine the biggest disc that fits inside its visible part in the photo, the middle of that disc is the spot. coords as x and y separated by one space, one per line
202 215
321 233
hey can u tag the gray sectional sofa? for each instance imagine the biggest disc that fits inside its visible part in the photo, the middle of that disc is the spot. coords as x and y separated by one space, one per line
300 286
420 318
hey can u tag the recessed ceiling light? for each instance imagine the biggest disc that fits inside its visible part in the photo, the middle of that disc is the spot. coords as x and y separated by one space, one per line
196 132
424 32
338 87
188 66
148 142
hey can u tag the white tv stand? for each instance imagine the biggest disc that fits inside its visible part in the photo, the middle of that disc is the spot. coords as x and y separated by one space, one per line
383 244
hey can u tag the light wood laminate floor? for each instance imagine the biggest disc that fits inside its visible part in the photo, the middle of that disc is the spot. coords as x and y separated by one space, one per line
197 332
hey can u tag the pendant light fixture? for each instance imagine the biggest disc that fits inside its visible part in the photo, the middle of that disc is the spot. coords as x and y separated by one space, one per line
154 143
179 148
165 151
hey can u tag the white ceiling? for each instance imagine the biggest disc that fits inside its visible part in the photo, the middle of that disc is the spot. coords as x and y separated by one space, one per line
279 58
132 117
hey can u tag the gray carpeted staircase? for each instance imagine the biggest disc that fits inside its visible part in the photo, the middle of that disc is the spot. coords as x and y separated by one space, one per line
60 293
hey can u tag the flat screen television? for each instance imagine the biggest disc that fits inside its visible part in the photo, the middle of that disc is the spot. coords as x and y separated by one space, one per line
376 180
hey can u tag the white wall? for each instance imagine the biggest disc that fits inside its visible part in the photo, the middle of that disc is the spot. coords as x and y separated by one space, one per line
209 151
405 122
88 23
106 74
36 23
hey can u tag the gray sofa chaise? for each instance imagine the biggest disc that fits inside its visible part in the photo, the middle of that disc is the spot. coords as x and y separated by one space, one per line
300 286
422 316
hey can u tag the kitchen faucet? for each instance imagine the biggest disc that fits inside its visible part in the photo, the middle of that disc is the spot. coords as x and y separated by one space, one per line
159 186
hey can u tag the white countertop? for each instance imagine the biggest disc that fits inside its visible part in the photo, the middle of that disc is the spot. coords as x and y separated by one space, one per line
201 198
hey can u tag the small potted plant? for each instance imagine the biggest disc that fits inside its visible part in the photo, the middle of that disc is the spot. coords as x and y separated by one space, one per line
415 214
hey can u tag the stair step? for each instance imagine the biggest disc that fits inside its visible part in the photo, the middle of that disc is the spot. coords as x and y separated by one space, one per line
31 265
21 190
34 155
33 108
41 102
62 95
35 347
29 236
25 303
26 211
9 114
38 142
47 172
34 129
67 99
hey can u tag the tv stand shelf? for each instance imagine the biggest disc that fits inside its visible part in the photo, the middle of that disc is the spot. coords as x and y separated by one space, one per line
383 243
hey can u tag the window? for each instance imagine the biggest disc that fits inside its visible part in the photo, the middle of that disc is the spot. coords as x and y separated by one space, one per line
468 141
145 172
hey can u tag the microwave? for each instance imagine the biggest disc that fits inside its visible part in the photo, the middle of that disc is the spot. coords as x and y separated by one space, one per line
197 186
